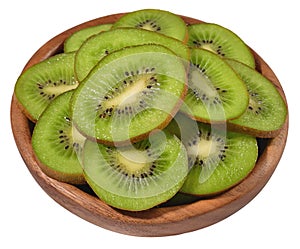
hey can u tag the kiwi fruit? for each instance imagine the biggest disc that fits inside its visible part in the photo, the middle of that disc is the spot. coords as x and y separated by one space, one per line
218 160
139 176
74 41
220 41
43 82
57 144
129 93
155 20
266 112
98 46
150 111
216 93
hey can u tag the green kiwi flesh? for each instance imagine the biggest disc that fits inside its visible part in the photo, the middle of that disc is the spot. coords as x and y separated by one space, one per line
98 46
139 176
266 112
43 82
74 41
141 93
159 21
215 93
57 144
221 41
218 160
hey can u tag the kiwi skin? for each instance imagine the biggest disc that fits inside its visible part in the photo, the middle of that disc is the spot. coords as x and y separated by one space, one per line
253 132
68 178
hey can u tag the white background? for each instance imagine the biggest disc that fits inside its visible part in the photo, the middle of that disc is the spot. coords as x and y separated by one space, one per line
29 218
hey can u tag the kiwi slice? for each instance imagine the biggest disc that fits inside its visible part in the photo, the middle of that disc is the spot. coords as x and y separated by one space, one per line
160 21
56 142
104 43
221 41
129 93
266 112
139 176
216 93
218 160
74 41
43 82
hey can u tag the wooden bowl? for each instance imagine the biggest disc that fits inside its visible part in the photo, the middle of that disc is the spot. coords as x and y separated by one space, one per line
159 221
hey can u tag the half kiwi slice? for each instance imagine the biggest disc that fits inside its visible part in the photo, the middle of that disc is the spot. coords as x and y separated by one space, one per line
266 112
130 93
75 40
218 160
139 176
41 83
57 144
107 42
220 41
216 93
160 21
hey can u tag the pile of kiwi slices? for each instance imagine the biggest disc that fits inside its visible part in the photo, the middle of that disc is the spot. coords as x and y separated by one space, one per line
150 110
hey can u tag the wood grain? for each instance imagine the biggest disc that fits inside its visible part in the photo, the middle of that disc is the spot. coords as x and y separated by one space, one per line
161 221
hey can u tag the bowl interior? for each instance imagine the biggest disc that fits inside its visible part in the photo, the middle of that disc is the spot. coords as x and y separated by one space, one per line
159 221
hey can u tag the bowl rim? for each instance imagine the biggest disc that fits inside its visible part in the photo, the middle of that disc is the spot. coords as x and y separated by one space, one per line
160 221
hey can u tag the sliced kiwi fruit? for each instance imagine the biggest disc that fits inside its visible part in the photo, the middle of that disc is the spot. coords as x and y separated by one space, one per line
220 41
43 82
75 40
57 144
139 176
104 43
129 93
266 112
131 128
159 21
216 93
218 160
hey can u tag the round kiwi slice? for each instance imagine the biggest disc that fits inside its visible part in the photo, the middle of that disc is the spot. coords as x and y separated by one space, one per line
57 144
130 93
75 40
160 21
41 83
104 43
266 112
221 41
139 176
215 93
218 160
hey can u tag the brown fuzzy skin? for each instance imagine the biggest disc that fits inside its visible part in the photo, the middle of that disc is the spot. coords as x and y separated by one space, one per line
238 128
76 179
24 110
253 132
186 38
